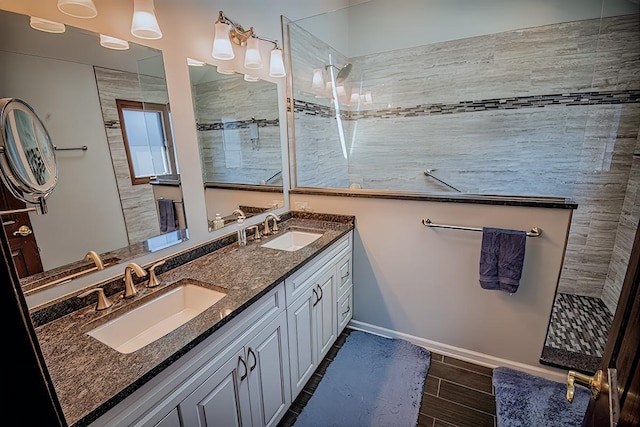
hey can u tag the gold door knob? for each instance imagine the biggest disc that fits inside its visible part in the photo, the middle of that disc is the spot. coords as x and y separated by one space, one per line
23 231
594 383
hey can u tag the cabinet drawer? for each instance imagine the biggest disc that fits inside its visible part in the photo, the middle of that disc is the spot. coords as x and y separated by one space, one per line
297 283
344 266
345 309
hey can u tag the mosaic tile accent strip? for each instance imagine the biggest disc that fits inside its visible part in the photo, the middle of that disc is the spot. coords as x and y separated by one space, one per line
535 101
240 124
579 324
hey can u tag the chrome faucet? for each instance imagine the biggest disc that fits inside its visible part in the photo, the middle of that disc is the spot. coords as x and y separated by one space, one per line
276 218
130 290
92 256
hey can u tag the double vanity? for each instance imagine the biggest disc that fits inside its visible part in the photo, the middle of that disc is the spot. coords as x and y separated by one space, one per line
229 337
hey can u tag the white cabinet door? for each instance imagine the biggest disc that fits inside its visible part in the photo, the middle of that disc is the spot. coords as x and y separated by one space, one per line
302 340
171 420
268 362
223 399
325 312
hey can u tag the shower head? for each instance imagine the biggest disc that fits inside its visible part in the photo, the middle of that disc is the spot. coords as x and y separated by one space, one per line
343 72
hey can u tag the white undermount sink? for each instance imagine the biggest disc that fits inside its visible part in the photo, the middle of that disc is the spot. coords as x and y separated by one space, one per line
145 324
292 240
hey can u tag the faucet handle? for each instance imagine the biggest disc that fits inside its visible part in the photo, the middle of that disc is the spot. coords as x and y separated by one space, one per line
153 279
256 235
103 302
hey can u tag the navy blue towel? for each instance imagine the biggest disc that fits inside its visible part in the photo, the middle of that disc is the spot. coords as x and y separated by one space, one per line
501 258
167 215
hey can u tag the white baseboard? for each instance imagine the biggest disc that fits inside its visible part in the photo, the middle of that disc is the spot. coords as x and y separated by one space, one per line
482 359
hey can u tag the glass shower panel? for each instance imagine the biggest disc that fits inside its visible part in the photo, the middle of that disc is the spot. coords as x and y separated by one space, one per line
493 108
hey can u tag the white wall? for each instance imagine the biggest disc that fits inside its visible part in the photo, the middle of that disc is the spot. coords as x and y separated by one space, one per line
380 25
423 282
70 109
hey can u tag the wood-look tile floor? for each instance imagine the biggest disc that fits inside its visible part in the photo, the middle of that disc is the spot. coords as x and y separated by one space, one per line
456 393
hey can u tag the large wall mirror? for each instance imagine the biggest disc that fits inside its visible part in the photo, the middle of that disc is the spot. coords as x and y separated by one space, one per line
239 139
107 111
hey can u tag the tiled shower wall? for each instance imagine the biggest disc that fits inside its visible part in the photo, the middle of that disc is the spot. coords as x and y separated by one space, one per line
224 109
546 111
138 203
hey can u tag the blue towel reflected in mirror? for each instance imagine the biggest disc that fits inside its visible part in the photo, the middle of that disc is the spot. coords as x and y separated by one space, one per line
167 210
502 258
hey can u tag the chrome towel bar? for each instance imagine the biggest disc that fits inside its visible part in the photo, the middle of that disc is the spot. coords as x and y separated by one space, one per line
534 232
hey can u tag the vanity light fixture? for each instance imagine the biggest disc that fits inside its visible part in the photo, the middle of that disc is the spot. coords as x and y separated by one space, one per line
144 24
78 8
46 25
250 78
227 33
113 43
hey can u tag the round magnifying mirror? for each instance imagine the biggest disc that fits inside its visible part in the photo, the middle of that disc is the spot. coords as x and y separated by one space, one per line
27 156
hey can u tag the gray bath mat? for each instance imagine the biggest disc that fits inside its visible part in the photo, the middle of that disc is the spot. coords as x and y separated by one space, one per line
373 381
524 400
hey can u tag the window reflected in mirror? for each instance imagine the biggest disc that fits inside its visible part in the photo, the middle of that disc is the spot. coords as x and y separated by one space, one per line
148 143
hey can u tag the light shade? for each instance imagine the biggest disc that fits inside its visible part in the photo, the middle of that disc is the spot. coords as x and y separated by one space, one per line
317 81
250 78
113 43
46 25
220 69
355 98
276 67
252 57
144 24
221 44
78 8
194 63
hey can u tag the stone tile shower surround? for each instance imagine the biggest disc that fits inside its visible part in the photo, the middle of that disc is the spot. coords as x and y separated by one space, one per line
223 111
544 111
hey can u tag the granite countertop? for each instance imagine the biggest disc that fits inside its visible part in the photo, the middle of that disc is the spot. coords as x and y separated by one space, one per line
91 377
